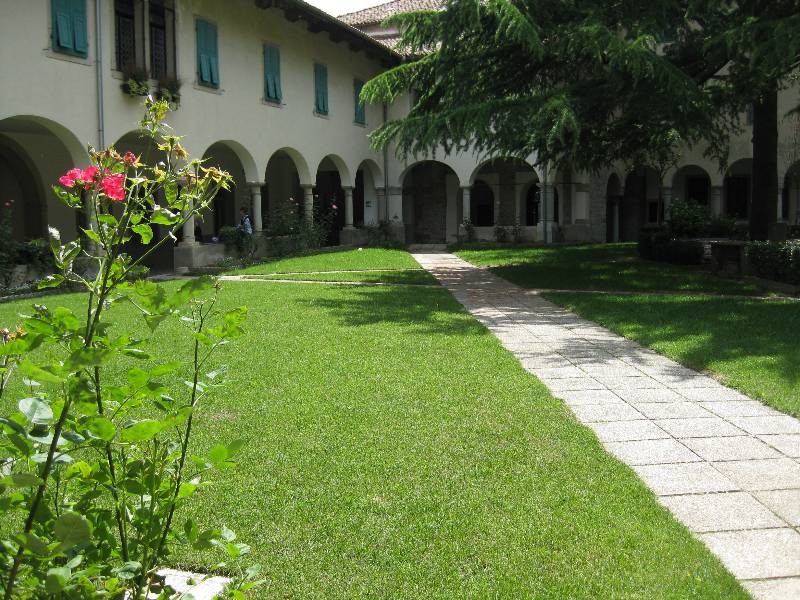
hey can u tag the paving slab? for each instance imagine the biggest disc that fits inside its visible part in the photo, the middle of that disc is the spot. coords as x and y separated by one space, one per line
784 503
725 465
774 589
704 513
757 554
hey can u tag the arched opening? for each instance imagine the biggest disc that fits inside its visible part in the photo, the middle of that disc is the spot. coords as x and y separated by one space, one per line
512 182
482 204
225 208
329 196
533 198
34 153
640 203
791 195
613 201
738 193
692 183
282 194
430 203
365 196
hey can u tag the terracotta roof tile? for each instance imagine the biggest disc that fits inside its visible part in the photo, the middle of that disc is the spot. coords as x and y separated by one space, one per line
376 14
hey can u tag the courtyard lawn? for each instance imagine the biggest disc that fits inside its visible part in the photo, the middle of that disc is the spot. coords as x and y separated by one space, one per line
394 449
613 267
404 277
337 260
749 344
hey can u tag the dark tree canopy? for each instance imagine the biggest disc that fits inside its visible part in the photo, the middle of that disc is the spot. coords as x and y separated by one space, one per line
588 82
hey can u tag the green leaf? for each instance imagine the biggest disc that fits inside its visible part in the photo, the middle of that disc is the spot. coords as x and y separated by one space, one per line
129 570
40 374
57 579
36 545
234 447
93 235
25 480
51 281
72 530
186 490
145 232
86 357
36 411
101 428
142 431
218 455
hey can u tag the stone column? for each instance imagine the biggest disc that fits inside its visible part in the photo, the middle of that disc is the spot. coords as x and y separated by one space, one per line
255 198
188 232
394 205
380 198
348 208
466 203
308 202
666 198
716 201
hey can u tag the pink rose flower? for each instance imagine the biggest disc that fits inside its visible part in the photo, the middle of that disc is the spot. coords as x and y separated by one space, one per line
130 159
69 180
113 186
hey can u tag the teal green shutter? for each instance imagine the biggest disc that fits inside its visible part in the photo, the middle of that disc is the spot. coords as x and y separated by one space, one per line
361 110
207 62
79 28
62 25
272 74
321 88
212 47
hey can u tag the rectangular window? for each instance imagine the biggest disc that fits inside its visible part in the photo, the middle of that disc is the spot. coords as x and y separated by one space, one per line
361 110
272 74
125 34
162 39
69 28
207 60
321 89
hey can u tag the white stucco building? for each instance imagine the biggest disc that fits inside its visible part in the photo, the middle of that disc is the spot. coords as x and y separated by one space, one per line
268 93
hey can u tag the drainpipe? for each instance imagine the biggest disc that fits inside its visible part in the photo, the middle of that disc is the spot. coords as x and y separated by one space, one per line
98 52
385 171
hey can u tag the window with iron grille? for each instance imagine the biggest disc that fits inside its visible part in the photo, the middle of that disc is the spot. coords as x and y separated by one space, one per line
162 52
125 29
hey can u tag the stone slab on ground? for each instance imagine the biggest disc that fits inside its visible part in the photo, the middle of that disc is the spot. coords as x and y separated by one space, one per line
725 465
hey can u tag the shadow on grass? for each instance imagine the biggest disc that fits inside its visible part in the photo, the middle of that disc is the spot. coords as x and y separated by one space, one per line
752 344
427 310
606 267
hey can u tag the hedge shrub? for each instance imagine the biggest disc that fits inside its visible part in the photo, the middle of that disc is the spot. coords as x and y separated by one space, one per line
778 261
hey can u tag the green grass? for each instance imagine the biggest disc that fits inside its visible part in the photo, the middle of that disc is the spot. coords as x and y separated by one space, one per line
352 260
395 450
751 345
612 267
405 277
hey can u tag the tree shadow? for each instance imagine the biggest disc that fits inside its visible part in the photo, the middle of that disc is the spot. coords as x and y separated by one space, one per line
743 339
425 310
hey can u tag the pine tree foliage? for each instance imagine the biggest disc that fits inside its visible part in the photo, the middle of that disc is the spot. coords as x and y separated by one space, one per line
584 82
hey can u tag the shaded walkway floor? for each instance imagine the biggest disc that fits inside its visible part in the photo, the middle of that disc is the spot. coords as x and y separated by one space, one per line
725 465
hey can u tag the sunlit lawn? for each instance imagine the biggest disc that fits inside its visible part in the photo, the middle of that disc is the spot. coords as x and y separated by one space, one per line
395 450
348 260
594 267
750 344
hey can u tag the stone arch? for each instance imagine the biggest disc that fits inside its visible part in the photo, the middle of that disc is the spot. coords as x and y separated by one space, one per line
300 164
224 211
431 202
37 151
691 182
499 159
737 190
341 166
369 177
411 166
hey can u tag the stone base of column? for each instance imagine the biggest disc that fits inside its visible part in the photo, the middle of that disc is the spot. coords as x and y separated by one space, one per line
549 227
187 257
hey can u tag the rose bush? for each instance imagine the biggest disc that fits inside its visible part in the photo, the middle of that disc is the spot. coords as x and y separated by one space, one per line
94 467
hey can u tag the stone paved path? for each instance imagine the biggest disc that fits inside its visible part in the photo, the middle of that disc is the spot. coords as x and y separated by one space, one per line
725 465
